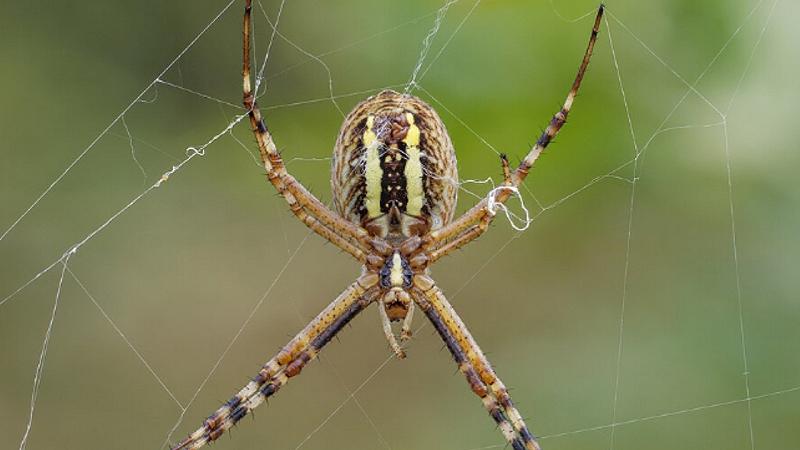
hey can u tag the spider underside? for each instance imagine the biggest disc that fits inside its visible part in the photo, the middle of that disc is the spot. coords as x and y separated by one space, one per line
394 183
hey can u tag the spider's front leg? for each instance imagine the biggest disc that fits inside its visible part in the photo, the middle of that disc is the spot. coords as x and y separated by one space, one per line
288 362
476 221
344 234
472 363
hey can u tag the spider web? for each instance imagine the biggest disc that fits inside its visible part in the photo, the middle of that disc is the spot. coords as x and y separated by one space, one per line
634 311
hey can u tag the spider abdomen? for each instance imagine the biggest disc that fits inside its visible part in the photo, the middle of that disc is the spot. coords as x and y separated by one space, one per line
394 167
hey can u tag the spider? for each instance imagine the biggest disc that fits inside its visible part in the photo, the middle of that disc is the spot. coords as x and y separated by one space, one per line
394 196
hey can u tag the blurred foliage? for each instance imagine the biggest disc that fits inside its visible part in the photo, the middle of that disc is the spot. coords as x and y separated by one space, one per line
181 270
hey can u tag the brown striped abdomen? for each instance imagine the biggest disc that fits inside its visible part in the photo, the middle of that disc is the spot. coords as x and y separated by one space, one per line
394 167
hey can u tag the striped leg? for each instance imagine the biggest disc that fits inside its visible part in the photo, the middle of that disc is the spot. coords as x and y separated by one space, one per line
475 221
287 363
342 233
473 364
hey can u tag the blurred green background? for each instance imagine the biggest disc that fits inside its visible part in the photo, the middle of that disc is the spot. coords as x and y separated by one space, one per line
180 271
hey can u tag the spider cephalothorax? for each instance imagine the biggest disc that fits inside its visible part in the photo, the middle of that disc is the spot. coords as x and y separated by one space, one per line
394 186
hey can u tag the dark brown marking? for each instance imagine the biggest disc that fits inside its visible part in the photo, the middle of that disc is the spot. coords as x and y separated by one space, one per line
338 324
262 376
233 402
212 422
213 435
297 364
238 414
506 168
269 389
390 130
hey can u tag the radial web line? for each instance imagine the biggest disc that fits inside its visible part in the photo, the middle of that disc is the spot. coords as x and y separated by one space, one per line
512 217
691 88
266 294
449 40
734 247
700 77
326 99
669 67
114 122
488 145
664 415
752 56
352 44
662 128
346 400
426 43
125 339
677 413
589 13
261 83
730 194
358 404
332 96
146 144
329 364
236 337
133 150
37 375
252 154
198 93
260 74
192 152
735 251
628 236
459 120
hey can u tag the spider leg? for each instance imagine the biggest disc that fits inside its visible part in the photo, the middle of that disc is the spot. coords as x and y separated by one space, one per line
342 233
304 347
476 220
473 363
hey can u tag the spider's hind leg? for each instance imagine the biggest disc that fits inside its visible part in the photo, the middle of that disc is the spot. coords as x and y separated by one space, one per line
288 363
472 363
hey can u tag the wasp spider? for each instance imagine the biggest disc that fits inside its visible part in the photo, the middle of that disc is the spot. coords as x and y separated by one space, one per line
394 190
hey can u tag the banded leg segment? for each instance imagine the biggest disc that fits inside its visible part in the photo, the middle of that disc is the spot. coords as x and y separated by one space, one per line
473 364
304 347
475 221
342 233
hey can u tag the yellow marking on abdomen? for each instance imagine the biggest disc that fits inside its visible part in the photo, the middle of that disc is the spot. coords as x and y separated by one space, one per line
373 173
413 170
